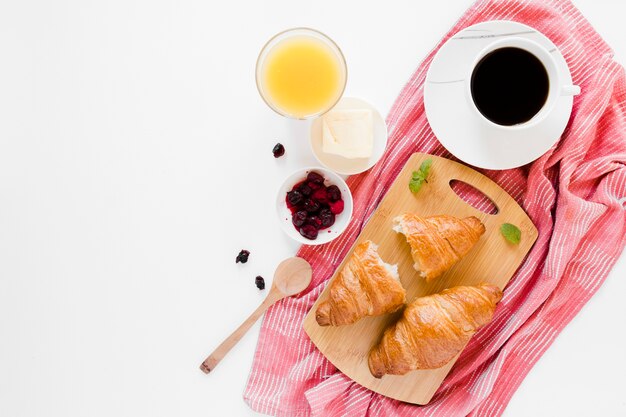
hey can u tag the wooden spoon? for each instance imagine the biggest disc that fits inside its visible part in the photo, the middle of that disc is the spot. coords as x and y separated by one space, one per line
292 276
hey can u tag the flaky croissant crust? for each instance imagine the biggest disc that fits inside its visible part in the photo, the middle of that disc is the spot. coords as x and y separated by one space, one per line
365 287
433 329
438 242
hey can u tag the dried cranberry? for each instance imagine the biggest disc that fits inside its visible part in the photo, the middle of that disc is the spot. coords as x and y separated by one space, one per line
320 195
259 282
314 221
308 231
295 197
242 257
297 186
314 185
336 207
334 193
311 205
279 150
305 190
315 177
327 217
299 218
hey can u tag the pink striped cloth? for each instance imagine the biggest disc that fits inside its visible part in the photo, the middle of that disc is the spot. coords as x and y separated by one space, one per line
575 195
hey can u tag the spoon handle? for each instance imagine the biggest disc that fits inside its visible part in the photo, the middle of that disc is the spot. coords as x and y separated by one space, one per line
218 354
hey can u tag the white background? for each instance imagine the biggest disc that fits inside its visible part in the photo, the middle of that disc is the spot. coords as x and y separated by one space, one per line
135 162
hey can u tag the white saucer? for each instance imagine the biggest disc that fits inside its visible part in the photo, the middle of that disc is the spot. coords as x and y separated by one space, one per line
455 122
346 166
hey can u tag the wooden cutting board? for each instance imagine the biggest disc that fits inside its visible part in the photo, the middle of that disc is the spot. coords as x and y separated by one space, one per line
493 260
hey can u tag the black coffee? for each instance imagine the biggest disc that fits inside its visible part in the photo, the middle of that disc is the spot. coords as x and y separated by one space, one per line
509 86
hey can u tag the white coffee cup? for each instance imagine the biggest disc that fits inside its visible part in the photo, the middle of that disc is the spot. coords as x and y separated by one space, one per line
557 87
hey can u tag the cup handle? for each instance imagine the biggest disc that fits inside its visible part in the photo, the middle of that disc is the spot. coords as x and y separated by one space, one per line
570 90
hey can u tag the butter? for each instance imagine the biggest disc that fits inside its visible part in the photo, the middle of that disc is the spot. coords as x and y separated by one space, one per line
348 133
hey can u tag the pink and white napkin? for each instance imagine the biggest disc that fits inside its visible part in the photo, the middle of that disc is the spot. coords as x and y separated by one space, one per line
575 195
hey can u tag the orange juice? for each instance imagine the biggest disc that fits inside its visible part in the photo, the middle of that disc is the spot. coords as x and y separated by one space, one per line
302 76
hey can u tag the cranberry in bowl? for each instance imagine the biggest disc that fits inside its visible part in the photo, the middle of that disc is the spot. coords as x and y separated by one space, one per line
314 206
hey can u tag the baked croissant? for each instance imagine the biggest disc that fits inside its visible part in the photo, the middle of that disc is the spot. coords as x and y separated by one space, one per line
366 286
438 242
433 330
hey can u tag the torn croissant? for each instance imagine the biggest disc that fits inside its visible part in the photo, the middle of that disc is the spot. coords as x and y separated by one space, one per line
366 286
433 329
438 242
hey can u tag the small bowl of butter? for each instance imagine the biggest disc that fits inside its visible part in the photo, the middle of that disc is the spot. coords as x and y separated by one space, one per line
350 138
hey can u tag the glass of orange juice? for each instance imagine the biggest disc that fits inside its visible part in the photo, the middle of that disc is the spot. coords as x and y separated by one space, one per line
301 73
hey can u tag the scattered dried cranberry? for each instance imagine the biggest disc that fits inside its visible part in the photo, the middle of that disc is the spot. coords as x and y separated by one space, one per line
299 218
309 231
315 178
279 150
320 195
311 205
295 197
336 207
243 256
334 193
327 217
259 282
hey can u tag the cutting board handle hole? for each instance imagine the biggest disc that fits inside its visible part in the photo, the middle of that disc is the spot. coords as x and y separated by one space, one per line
474 197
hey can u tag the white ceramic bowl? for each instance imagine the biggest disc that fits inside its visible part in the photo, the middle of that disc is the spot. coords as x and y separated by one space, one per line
343 165
341 220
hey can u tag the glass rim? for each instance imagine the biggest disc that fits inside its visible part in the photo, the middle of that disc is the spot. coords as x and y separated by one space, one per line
326 39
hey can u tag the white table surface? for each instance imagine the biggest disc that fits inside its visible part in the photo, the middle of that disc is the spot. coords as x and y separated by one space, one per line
135 163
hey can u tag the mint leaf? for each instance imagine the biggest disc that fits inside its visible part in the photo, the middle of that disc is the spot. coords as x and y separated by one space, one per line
511 233
425 168
419 177
416 182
